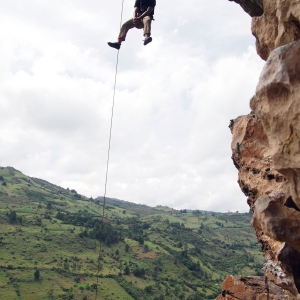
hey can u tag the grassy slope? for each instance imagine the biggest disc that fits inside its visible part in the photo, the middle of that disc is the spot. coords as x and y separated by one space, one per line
221 243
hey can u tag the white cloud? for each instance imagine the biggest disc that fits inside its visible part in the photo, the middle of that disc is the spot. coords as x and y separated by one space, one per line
174 99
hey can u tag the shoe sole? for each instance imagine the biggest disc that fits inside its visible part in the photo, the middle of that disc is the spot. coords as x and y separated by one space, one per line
112 46
148 41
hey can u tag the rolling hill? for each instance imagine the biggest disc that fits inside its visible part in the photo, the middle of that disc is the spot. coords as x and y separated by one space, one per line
49 246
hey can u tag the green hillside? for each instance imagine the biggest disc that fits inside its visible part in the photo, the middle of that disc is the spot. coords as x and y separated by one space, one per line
49 246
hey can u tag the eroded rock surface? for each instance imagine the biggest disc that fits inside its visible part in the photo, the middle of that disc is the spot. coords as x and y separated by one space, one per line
266 151
277 104
254 288
258 177
279 25
280 224
275 23
278 221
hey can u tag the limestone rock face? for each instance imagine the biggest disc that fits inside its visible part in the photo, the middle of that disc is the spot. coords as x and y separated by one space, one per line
279 25
277 104
258 177
266 151
273 219
255 288
278 221
275 23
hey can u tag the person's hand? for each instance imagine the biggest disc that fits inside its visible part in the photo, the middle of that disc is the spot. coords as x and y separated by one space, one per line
136 20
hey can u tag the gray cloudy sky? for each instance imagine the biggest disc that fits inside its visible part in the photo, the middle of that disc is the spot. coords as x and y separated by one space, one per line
174 99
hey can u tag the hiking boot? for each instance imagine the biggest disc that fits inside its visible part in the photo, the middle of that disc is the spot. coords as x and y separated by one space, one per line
114 45
147 40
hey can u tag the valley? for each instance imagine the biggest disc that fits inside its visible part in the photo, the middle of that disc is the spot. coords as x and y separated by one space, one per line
49 246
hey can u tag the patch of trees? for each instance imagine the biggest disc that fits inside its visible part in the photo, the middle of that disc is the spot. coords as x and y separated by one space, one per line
34 195
77 196
136 229
184 234
126 270
148 289
47 216
139 272
183 258
220 224
36 274
93 227
82 218
133 291
197 296
106 233
177 225
13 218
146 225
187 261
230 261
37 221
195 251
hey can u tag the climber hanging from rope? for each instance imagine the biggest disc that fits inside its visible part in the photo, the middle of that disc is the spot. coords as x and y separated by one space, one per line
142 17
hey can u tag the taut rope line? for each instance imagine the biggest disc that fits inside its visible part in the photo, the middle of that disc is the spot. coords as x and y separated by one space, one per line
107 163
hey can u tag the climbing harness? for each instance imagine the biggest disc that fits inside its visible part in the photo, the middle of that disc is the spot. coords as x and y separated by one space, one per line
107 163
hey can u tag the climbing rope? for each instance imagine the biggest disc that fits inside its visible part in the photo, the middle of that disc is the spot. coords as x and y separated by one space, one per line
107 162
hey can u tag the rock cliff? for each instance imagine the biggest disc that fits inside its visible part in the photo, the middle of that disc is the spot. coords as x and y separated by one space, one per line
266 151
241 287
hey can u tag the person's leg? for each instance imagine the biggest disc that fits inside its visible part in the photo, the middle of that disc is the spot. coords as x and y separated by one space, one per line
147 30
147 26
139 25
124 29
122 35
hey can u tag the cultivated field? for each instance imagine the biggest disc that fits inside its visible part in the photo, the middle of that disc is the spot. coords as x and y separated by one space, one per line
49 246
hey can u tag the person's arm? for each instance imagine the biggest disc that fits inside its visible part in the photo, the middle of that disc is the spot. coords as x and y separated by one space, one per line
135 12
146 13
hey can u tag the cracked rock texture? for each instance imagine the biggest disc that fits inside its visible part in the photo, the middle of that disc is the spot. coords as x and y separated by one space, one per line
266 151
279 25
275 23
242 287
277 104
